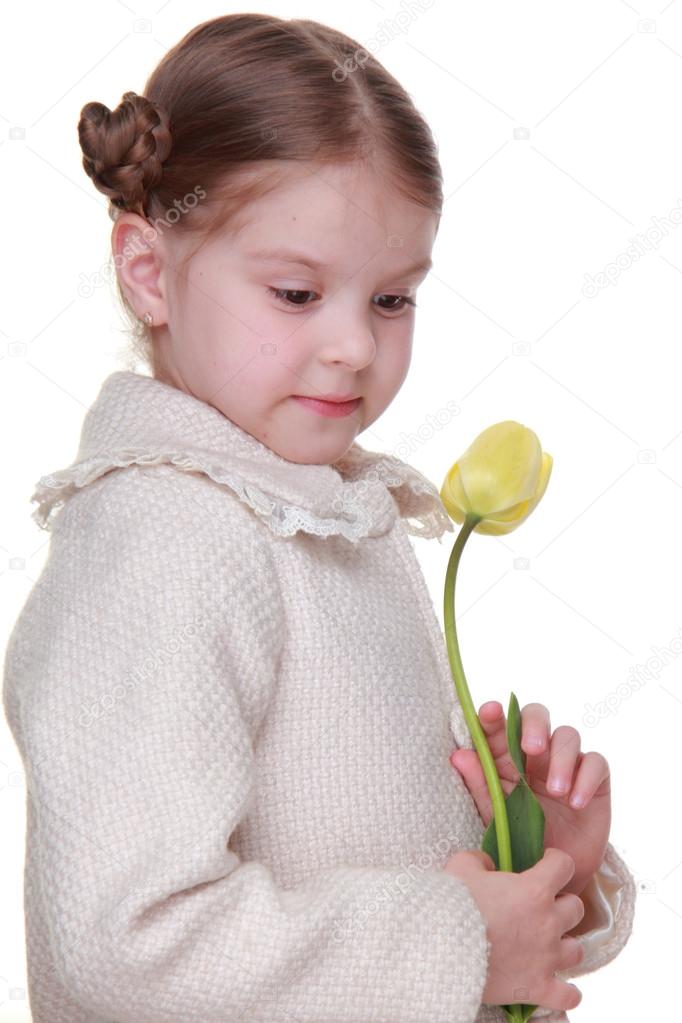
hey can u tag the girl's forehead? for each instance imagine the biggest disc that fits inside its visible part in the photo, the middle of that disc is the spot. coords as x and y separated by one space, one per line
311 260
313 220
337 193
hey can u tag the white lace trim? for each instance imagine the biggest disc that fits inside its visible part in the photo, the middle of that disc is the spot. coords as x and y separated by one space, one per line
352 517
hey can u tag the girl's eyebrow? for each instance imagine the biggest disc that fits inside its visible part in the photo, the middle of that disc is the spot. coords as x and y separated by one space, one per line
284 255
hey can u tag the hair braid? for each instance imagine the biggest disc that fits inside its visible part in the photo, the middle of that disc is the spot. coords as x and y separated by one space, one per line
124 149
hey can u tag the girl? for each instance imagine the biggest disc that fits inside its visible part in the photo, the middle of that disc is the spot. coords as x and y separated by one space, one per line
229 686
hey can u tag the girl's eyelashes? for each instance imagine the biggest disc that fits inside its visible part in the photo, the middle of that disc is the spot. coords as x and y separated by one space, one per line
279 294
401 298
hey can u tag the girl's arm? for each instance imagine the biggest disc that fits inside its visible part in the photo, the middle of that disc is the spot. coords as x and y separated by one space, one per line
136 680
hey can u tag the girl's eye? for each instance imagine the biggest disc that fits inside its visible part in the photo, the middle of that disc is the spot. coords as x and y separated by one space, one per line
294 298
279 292
400 298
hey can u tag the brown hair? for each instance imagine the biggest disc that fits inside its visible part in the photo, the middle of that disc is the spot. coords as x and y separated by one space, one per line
233 96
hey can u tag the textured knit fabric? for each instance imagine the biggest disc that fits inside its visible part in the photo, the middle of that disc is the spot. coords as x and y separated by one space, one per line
232 698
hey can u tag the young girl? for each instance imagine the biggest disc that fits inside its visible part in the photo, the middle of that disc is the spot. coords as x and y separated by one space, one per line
229 686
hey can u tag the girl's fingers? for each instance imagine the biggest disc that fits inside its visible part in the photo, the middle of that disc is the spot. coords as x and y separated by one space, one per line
494 724
593 773
568 770
469 766
535 729
563 757
571 951
492 718
535 724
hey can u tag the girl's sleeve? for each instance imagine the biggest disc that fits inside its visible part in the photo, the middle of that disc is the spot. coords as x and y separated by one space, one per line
136 679
609 900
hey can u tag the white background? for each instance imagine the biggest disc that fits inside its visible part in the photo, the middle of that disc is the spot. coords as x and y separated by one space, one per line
558 126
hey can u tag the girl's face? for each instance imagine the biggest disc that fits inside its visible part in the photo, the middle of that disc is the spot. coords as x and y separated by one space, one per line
310 297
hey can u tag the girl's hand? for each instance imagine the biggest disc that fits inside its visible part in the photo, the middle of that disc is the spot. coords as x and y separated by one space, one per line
582 832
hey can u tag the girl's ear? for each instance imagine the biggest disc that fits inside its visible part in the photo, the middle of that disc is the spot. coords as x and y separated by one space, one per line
138 258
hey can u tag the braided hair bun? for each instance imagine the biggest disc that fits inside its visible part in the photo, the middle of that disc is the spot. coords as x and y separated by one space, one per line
124 149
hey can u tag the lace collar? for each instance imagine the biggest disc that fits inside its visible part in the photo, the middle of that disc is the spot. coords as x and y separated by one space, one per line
140 420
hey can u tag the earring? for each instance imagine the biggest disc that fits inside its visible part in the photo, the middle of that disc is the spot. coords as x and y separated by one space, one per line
148 319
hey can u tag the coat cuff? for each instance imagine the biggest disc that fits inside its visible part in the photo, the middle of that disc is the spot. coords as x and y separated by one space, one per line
609 913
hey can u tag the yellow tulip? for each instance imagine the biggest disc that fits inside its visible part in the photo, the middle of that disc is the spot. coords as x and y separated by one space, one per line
499 478
491 489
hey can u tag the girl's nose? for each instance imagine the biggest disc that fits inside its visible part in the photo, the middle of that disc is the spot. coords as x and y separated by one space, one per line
352 343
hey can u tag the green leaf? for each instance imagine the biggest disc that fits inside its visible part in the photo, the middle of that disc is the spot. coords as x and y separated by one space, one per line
524 812
521 1012
514 735
526 829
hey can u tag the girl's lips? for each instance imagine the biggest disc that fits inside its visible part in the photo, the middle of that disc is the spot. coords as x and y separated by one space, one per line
333 409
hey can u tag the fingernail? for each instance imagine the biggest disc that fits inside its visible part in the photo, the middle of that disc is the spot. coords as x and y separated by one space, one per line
577 800
557 785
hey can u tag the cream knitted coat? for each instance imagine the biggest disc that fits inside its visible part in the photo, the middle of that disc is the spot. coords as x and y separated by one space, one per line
232 698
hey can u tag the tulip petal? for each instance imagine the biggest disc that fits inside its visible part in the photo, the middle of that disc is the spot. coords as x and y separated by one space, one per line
454 496
501 468
504 522
543 480
490 527
500 478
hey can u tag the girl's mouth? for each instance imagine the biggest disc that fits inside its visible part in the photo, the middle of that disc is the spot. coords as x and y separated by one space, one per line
333 409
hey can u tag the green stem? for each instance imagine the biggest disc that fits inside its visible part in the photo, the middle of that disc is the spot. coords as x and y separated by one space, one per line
477 734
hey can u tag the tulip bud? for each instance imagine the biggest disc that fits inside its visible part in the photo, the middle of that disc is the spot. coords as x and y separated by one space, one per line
500 478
